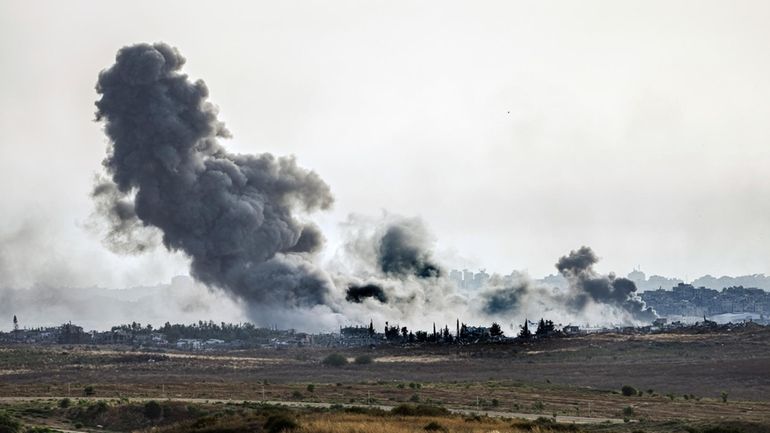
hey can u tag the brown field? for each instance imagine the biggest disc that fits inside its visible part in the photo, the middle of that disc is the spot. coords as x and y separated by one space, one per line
681 376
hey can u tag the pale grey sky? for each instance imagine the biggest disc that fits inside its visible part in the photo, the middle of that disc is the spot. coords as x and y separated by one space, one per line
516 130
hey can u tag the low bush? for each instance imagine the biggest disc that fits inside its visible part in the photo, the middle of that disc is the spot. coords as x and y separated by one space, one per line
419 410
434 426
335 360
280 423
363 359
8 424
544 424
360 410
100 407
153 410
628 390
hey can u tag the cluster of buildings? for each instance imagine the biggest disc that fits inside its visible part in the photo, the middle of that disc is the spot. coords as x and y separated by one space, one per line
466 279
687 300
146 337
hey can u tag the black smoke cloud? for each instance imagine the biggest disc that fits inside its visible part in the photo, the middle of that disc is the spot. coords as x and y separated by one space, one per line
358 293
587 285
504 300
233 215
404 251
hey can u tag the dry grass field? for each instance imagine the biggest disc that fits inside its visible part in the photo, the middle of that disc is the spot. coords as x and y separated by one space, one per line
682 379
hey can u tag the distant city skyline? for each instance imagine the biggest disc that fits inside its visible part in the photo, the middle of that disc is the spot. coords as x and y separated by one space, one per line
468 279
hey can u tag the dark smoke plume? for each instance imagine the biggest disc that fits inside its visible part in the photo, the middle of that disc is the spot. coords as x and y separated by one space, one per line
357 293
403 251
588 285
233 215
503 300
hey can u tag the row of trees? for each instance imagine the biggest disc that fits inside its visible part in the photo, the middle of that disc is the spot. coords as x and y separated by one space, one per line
202 330
545 328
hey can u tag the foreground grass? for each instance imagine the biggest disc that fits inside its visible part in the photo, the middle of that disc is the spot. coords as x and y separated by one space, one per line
176 417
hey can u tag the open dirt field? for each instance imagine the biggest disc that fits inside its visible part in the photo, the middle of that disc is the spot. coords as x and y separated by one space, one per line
679 376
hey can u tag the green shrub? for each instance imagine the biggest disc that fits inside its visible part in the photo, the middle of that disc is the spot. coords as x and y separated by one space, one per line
335 360
419 410
544 424
296 394
628 411
89 391
628 390
65 403
310 388
100 407
8 424
414 398
153 410
434 426
374 411
280 423
364 359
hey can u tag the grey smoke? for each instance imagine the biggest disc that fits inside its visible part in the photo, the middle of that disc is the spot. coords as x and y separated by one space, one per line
504 300
404 251
586 290
587 285
234 215
358 293
125 231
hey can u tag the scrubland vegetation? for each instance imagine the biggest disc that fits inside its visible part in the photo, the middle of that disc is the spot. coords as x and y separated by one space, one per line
714 383
176 417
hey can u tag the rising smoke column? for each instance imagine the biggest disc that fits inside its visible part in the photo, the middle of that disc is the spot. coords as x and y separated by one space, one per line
233 215
403 250
587 285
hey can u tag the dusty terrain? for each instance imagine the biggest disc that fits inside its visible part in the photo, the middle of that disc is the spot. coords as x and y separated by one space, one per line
679 376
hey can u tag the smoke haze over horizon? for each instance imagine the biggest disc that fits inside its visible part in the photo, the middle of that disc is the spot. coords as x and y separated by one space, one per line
504 146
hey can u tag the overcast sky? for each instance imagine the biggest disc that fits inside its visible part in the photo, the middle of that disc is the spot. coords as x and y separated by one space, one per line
516 130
